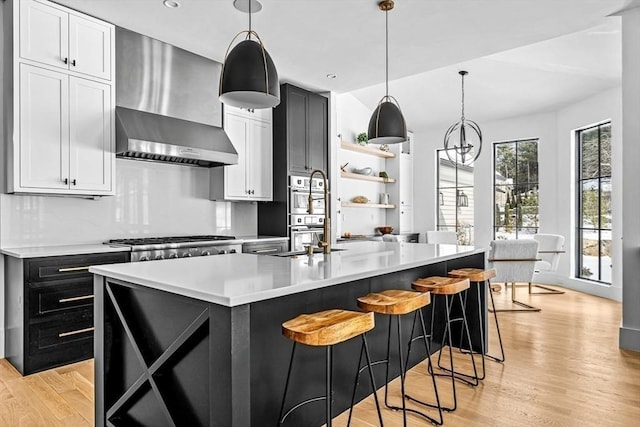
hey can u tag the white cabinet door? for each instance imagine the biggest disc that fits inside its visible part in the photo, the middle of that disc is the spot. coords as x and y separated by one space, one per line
89 47
259 164
44 129
44 34
90 137
406 219
405 180
235 180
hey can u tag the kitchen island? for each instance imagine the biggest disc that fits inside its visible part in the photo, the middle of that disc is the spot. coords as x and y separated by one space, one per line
198 341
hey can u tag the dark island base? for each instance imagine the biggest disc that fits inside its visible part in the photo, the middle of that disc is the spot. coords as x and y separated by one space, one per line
163 359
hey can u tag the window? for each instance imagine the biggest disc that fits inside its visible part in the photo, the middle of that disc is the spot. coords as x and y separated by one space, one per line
515 189
594 203
455 197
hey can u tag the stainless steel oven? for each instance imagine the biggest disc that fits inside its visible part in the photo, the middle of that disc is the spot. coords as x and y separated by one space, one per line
299 203
305 228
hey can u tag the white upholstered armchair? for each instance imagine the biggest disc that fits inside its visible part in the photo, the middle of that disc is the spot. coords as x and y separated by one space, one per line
550 246
514 261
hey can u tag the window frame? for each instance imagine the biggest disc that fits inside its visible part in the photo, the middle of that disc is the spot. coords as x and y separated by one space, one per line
516 142
579 218
459 194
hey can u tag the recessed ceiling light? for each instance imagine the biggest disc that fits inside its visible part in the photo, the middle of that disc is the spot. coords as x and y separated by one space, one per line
331 76
172 4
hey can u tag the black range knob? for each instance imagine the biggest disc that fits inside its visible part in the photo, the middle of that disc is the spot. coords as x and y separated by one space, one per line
187 255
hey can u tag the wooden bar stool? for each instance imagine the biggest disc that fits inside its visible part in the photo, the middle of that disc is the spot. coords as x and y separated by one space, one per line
326 329
478 275
395 303
449 287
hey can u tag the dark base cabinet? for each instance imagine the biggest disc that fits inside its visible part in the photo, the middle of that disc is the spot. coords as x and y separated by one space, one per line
49 309
165 359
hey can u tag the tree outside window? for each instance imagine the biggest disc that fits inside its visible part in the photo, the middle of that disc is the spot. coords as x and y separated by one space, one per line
594 203
516 198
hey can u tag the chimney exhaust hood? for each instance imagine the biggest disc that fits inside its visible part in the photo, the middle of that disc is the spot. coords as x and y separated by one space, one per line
167 106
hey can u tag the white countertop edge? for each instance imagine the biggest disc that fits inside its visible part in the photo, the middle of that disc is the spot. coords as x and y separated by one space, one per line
94 248
273 293
47 251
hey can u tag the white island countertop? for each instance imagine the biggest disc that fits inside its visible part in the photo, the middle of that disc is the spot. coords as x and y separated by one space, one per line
236 279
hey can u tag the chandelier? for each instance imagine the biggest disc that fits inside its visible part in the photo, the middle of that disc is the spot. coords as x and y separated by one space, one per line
466 146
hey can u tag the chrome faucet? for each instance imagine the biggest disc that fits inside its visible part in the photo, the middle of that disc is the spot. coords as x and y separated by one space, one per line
324 244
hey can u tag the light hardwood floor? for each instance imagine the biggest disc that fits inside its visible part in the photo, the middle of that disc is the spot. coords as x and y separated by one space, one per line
563 368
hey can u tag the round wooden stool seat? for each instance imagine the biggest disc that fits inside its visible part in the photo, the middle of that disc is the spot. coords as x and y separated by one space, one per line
394 301
327 327
474 274
438 285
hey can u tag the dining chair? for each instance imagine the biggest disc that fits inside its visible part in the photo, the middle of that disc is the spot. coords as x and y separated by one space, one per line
514 261
550 246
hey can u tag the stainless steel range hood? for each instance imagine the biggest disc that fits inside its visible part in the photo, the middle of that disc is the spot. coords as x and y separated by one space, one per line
167 107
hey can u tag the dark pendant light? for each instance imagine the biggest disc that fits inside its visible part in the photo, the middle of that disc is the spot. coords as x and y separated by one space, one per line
387 125
467 150
249 78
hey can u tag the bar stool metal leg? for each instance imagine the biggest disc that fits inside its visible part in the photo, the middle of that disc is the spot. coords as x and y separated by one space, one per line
427 348
365 349
483 350
472 380
495 318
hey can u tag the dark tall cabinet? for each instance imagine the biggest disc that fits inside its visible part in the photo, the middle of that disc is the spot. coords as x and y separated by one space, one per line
300 144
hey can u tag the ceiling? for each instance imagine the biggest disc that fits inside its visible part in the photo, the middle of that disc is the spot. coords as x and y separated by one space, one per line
523 56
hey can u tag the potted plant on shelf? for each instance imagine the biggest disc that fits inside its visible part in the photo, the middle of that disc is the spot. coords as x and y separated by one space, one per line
362 138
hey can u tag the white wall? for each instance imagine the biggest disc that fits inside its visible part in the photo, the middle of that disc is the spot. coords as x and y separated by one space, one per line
152 199
630 328
353 118
556 163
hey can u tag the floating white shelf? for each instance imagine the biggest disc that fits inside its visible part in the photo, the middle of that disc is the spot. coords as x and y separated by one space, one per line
366 205
367 150
352 175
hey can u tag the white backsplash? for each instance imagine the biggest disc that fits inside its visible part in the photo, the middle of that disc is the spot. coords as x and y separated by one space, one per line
152 199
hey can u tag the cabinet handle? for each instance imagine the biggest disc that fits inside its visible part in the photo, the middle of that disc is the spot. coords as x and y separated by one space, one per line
80 298
73 63
66 181
73 182
64 270
76 332
264 251
65 60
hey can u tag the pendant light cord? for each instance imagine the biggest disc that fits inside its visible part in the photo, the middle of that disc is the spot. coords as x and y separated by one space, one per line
386 52
249 18
462 117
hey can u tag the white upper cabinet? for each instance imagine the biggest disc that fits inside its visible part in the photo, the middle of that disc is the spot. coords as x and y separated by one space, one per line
44 129
251 179
63 128
54 36
90 147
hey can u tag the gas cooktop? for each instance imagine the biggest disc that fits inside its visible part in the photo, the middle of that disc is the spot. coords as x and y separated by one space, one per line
156 248
168 240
